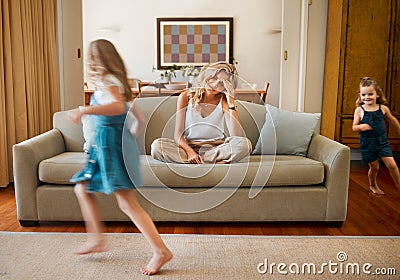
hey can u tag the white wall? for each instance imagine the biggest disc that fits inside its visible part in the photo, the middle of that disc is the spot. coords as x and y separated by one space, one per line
257 47
290 66
69 29
303 37
317 15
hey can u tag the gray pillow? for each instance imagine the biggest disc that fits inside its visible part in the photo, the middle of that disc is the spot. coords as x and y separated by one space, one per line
285 132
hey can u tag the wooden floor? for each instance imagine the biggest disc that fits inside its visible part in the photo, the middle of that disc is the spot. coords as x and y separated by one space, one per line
368 215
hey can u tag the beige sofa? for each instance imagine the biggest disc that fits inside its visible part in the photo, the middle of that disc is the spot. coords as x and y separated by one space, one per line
283 188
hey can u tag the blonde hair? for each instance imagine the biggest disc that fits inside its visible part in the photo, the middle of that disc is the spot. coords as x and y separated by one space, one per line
208 72
367 82
105 59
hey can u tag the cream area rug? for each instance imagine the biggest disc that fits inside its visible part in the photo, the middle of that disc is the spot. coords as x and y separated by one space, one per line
48 256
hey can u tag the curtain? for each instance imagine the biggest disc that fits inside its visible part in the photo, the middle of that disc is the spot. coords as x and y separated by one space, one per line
29 82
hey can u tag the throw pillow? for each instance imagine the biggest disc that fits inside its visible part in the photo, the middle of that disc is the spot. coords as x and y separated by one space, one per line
88 131
286 132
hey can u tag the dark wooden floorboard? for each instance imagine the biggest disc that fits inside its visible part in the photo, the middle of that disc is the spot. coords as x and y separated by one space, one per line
368 215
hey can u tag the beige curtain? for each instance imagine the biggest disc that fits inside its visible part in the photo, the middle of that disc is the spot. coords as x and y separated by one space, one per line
28 74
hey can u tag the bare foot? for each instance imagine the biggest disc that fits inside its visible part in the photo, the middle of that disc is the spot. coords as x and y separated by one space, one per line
156 262
376 190
92 248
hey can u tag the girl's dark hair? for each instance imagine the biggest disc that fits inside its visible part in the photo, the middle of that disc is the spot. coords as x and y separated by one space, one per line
367 82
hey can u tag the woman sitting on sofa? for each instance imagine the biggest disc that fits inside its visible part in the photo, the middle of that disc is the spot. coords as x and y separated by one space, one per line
202 113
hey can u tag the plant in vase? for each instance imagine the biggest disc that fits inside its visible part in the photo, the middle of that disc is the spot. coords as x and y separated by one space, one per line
234 61
191 72
167 72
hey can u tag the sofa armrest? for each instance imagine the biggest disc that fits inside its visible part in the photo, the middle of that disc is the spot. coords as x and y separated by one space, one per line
26 158
336 160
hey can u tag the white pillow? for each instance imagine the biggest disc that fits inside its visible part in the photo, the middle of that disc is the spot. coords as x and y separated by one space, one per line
285 132
88 131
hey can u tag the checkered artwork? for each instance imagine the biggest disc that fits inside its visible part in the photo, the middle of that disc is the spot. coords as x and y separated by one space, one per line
196 42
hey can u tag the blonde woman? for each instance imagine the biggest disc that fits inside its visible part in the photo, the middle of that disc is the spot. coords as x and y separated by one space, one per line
202 113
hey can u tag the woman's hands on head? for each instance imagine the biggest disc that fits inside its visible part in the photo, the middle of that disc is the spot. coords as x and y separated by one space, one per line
229 90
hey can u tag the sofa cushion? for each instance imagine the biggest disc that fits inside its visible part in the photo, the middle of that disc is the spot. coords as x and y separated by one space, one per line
270 171
286 132
60 168
281 170
160 122
160 119
72 133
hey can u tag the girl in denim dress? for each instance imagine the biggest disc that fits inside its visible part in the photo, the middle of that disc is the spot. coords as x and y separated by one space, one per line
113 151
369 121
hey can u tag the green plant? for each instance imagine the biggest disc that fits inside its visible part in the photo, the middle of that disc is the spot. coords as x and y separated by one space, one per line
234 61
167 71
190 70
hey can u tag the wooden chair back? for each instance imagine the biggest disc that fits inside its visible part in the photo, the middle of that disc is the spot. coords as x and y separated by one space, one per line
264 94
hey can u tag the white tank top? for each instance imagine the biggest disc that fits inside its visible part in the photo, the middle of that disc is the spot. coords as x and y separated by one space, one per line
201 129
102 93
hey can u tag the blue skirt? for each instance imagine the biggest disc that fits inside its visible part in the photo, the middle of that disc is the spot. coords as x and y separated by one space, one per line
113 159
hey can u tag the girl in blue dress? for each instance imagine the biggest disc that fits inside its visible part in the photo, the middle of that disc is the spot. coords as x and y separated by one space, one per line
105 170
369 120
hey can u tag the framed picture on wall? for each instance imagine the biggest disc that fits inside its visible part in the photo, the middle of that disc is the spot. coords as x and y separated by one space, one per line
194 41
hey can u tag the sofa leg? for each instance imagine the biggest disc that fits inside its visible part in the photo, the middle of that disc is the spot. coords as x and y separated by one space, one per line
335 224
29 223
